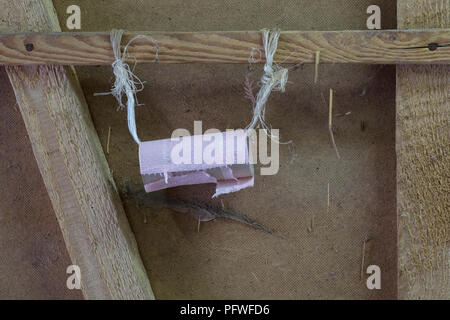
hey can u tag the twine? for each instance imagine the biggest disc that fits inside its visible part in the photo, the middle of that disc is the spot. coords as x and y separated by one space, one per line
274 79
126 82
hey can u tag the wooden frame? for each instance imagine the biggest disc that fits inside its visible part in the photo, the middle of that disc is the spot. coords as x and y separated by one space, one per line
94 48
74 169
80 185
423 164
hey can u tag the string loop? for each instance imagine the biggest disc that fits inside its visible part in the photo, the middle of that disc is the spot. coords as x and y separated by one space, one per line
126 82
274 78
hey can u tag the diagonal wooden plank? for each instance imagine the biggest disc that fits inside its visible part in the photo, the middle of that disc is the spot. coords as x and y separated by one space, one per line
68 152
423 163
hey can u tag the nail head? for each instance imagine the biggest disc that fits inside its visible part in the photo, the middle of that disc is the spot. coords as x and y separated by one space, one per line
29 47
433 46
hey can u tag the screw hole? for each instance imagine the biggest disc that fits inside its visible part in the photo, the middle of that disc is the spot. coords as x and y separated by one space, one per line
433 46
29 47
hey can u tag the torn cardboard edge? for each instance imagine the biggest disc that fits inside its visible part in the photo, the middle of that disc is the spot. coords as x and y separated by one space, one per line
221 158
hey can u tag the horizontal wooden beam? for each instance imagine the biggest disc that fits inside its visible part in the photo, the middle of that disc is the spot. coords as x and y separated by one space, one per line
369 47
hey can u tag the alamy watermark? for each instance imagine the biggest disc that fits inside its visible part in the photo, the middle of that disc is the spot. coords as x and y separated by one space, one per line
74 20
74 280
234 146
374 20
374 279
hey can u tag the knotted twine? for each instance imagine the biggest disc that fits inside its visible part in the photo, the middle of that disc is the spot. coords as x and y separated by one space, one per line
274 79
126 82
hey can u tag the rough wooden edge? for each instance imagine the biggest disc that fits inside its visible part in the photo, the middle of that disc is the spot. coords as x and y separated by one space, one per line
351 46
68 152
423 163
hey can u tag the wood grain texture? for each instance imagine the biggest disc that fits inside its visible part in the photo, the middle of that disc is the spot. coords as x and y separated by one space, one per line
74 169
423 164
369 47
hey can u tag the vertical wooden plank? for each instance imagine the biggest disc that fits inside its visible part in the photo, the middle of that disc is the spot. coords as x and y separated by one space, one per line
68 152
423 163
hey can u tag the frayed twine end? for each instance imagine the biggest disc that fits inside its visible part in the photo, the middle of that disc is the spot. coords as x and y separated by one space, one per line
274 78
126 82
